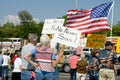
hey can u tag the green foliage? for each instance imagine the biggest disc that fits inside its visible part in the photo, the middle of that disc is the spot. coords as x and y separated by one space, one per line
116 30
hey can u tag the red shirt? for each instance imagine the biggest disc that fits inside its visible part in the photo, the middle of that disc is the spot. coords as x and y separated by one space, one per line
13 59
73 61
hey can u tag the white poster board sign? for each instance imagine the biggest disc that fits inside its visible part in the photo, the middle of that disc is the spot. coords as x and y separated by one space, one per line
67 36
82 42
49 23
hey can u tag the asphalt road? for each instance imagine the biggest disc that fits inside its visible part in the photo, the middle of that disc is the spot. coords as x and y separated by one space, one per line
64 76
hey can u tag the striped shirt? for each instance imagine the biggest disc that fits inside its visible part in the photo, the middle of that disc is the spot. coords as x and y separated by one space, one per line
44 57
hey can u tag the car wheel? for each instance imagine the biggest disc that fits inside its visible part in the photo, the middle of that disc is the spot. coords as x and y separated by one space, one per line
66 68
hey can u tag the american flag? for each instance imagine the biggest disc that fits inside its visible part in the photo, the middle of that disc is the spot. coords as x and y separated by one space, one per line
89 21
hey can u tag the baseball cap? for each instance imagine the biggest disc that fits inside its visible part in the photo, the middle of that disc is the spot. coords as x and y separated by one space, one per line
108 43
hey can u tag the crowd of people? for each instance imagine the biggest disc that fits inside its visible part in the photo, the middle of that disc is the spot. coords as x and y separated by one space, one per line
99 65
32 62
40 62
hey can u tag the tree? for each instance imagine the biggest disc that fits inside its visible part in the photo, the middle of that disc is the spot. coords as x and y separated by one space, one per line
28 25
8 30
25 17
116 30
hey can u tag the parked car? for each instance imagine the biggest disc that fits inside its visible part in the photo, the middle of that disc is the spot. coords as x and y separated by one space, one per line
65 65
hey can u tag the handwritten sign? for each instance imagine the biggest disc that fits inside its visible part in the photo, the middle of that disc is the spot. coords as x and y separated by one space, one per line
67 36
49 23
95 40
82 42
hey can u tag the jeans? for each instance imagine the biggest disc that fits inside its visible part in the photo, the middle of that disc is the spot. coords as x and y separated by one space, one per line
93 77
45 76
56 73
5 72
26 75
73 74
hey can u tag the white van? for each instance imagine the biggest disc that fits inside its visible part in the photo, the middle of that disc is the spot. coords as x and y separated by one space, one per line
87 50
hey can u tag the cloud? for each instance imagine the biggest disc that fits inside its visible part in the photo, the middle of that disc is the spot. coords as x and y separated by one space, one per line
15 19
36 20
12 19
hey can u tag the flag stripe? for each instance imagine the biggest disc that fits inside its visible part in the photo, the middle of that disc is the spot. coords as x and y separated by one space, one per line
92 26
92 20
77 16
86 22
95 30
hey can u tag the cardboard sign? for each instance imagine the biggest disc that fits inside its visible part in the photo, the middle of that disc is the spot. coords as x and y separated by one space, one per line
118 45
67 36
50 23
95 40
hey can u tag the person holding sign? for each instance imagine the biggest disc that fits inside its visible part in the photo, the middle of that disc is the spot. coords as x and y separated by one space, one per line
45 60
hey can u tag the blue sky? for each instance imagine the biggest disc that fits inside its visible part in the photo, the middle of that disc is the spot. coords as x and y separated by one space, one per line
47 9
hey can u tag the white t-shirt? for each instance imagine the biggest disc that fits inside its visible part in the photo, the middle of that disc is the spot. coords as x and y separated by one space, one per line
17 64
6 60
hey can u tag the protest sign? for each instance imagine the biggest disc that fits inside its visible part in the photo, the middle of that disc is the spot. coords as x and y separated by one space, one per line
95 40
67 36
118 45
49 23
82 42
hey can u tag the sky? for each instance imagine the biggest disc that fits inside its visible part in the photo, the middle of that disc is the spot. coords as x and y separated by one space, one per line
49 9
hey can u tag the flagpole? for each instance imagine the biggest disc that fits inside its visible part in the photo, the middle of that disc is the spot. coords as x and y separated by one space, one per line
76 4
112 19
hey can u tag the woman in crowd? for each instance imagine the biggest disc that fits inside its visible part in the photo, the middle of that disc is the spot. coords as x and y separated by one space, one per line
5 64
82 68
16 74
